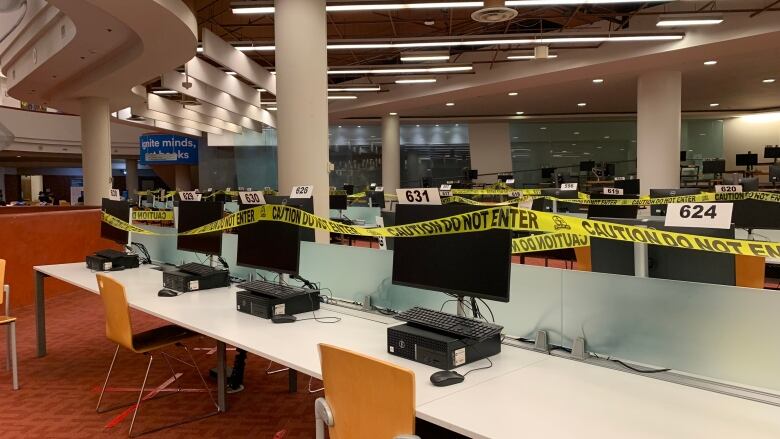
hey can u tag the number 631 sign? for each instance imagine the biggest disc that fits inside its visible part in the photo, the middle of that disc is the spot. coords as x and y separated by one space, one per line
418 196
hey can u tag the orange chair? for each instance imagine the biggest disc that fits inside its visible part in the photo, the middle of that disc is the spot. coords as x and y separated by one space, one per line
364 397
11 322
119 330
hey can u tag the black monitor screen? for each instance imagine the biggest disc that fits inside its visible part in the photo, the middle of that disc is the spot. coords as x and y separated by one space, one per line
587 166
747 159
660 209
596 211
470 264
713 167
683 156
755 214
546 205
377 198
118 209
630 187
269 245
548 172
305 204
772 152
349 188
338 202
193 214
774 173
472 174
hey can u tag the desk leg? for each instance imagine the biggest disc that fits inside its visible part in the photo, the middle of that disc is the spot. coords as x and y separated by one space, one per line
40 313
221 378
292 378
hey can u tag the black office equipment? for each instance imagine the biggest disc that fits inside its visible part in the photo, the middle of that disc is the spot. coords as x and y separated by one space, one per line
438 349
755 214
338 201
547 172
305 204
445 378
748 159
683 156
167 293
587 166
267 299
545 205
713 167
771 152
117 209
630 187
195 277
609 170
283 318
471 174
457 326
349 188
429 262
111 260
612 211
660 209
193 214
388 218
749 184
269 245
376 198
774 173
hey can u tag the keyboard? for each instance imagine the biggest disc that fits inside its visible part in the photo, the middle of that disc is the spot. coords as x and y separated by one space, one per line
452 324
198 269
110 254
273 289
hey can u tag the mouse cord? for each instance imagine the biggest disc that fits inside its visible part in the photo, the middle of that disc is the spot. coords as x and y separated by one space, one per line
480 368
314 317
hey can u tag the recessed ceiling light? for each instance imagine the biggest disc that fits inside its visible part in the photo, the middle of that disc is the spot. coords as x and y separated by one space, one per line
582 104
418 58
18 156
231 73
528 57
418 126
342 97
576 133
360 126
262 90
450 104
702 134
768 80
356 89
512 93
598 81
543 128
271 108
415 81
165 92
394 114
519 113
715 104
606 137
689 20
711 62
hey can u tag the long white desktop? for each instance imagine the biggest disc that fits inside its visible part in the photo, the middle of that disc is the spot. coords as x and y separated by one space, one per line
524 394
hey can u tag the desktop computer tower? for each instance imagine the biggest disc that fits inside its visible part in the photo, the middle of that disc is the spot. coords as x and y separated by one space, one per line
266 307
111 261
436 349
185 282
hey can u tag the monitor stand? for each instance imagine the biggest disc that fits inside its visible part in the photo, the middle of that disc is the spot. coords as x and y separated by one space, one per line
461 307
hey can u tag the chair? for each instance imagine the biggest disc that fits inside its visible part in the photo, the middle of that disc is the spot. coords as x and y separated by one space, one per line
6 319
119 330
364 397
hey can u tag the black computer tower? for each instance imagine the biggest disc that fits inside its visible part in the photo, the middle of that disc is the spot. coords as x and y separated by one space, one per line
266 307
185 282
436 349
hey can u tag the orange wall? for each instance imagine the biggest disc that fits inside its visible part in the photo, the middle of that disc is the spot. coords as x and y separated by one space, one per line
50 236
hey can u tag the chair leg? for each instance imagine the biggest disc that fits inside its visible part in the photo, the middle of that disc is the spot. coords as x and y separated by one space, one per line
105 383
202 380
173 373
12 349
140 395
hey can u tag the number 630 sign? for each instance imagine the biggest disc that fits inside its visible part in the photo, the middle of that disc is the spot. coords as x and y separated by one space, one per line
418 196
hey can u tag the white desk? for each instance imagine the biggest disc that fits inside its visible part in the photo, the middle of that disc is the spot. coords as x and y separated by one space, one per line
525 394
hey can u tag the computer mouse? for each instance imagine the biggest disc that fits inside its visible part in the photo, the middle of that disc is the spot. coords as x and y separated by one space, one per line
283 318
444 378
167 293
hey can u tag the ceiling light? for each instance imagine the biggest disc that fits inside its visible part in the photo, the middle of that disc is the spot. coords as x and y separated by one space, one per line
271 108
519 113
710 63
441 55
415 81
714 105
250 9
516 57
165 92
598 81
762 117
582 104
689 20
768 80
394 114
513 93
356 89
262 90
231 73
271 103
341 97
576 133
542 128
450 104
18 156
394 71
199 50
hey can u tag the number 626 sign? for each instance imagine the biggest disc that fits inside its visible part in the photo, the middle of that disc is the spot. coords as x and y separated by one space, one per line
418 196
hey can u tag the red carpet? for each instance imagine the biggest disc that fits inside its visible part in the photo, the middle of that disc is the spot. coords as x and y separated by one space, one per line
58 392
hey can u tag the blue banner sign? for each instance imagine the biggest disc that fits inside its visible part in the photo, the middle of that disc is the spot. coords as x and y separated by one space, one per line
168 149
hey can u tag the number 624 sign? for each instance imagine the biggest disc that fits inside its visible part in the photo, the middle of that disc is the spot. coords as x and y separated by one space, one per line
704 215
418 196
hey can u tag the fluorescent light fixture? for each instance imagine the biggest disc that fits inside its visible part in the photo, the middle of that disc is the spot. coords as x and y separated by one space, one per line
689 20
711 62
356 89
165 92
713 105
582 104
425 56
271 108
262 90
768 80
762 117
341 97
396 71
199 50
450 104
393 114
598 81
415 81
249 8
267 103
512 93
231 73
526 57
519 113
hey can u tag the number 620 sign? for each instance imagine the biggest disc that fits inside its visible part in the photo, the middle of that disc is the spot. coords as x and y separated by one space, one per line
418 196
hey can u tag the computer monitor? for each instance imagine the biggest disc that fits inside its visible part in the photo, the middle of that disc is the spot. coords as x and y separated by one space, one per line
747 159
505 177
730 179
338 201
193 214
609 170
683 156
471 174
118 209
587 166
755 214
596 211
749 184
418 262
305 204
660 209
269 245
771 152
630 187
713 167
349 188
545 205
548 172
774 173
377 199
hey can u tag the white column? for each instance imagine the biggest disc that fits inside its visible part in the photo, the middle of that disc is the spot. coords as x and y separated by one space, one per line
302 97
131 177
182 178
658 130
391 153
491 149
95 149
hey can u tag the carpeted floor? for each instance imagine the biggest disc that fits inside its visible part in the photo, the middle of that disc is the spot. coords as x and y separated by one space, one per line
59 392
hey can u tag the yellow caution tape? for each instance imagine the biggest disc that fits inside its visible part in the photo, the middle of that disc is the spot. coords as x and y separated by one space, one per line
152 215
549 241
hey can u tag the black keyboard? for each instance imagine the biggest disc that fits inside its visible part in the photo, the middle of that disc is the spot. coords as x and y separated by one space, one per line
198 269
273 289
110 254
452 324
